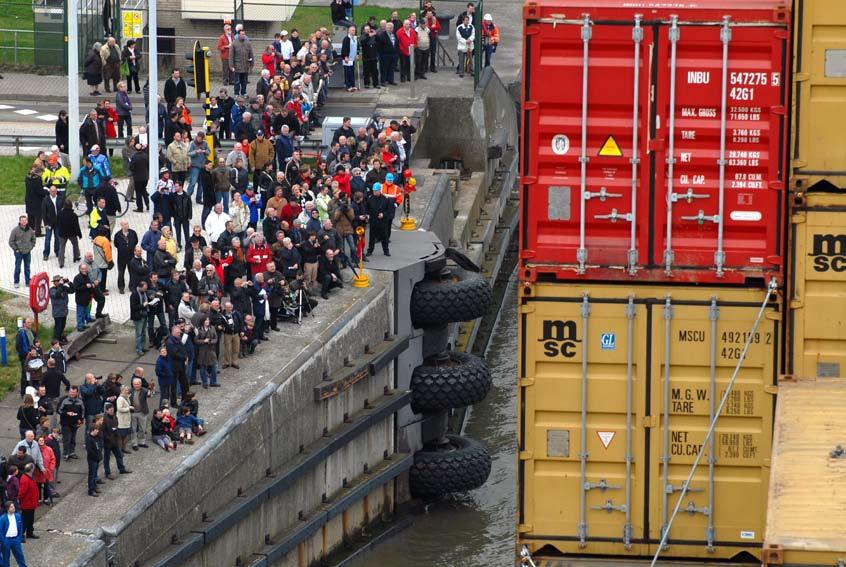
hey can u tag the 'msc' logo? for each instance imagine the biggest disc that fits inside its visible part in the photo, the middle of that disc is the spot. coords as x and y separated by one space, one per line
829 252
559 338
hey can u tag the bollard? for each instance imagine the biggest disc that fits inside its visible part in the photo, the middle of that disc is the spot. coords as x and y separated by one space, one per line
3 357
411 90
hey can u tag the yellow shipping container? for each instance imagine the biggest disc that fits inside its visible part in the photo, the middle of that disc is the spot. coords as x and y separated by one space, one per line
819 93
816 324
805 521
601 467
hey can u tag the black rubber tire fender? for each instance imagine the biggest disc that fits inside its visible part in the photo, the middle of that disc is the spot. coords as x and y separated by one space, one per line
463 464
458 295
452 380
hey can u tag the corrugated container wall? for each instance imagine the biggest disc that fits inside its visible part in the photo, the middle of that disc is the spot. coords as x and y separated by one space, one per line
819 94
654 140
817 286
617 388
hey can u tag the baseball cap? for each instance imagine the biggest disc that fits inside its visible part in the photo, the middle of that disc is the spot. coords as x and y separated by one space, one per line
259 132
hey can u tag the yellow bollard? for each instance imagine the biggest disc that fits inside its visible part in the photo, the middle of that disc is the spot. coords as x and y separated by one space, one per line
360 280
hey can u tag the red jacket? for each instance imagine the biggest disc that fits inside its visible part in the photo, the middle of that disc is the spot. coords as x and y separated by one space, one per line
269 62
111 124
28 494
343 180
259 257
433 24
406 39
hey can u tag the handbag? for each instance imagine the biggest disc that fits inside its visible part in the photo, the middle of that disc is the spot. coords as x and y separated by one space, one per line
124 69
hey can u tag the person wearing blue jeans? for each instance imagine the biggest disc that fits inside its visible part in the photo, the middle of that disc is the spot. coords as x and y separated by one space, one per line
199 153
11 528
22 241
205 339
94 454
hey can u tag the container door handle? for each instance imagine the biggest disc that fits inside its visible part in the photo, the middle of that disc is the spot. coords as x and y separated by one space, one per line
725 38
581 254
701 218
669 256
602 195
689 196
637 39
614 216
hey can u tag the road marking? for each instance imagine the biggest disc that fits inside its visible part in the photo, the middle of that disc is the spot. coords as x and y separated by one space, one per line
5 107
26 112
29 149
48 117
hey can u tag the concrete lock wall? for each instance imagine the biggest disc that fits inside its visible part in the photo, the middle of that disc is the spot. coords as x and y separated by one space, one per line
261 439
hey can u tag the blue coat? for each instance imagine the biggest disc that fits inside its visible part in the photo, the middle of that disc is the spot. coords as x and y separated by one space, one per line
284 150
101 162
254 208
150 241
164 372
4 526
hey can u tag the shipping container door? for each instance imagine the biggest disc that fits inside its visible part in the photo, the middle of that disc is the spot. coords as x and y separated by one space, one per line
691 122
818 290
725 506
558 63
566 343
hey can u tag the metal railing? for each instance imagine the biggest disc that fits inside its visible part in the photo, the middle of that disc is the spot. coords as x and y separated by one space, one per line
27 47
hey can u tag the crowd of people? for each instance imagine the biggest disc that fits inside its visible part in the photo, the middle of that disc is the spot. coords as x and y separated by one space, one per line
275 230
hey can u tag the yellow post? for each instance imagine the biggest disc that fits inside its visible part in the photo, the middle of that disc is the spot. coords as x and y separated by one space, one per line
361 279
408 222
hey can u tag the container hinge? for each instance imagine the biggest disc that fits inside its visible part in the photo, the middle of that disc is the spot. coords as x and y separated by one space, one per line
530 105
602 194
689 196
691 509
714 312
526 455
614 216
601 485
526 382
630 308
671 488
609 507
702 217
771 389
800 77
525 528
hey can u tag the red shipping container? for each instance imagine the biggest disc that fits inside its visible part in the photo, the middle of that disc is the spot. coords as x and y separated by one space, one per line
654 140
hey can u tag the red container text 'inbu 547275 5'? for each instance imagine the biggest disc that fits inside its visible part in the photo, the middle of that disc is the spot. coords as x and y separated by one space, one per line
654 140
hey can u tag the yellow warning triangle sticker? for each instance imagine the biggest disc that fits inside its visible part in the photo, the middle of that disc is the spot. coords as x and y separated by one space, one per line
610 148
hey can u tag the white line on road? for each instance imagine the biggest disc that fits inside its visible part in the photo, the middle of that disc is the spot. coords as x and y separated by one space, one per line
5 107
26 112
48 117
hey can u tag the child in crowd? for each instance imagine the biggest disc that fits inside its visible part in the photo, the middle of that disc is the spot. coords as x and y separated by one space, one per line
159 428
187 423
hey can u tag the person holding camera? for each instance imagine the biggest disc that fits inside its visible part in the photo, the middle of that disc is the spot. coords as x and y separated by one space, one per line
59 297
139 303
84 292
177 356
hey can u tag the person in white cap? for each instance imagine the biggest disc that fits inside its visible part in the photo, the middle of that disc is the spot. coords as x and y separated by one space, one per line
490 38
286 48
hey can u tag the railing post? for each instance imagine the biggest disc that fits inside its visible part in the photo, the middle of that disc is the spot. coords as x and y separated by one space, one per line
16 47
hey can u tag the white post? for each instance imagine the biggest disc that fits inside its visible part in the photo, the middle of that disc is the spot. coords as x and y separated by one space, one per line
412 79
153 111
73 87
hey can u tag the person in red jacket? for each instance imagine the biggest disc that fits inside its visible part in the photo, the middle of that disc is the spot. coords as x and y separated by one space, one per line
258 255
268 59
434 29
406 38
343 177
28 497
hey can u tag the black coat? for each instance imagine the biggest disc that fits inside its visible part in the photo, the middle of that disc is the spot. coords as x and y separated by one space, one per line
125 245
172 91
369 48
91 134
49 213
384 45
163 264
62 135
325 268
181 206
34 195
84 293
137 309
68 224
379 204
93 448
139 167
207 183
138 272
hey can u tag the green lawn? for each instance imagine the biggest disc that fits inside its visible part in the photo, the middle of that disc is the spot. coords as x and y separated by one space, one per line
13 170
306 19
16 16
10 374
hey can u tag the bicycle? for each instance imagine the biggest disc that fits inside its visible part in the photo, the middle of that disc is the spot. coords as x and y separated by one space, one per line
80 203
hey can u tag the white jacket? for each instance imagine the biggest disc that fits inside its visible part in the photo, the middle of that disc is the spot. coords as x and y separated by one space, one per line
465 44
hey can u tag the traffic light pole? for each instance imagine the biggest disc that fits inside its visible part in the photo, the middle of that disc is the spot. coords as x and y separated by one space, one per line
202 83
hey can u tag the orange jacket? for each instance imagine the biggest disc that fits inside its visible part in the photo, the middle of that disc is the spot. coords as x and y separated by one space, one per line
491 34
392 191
